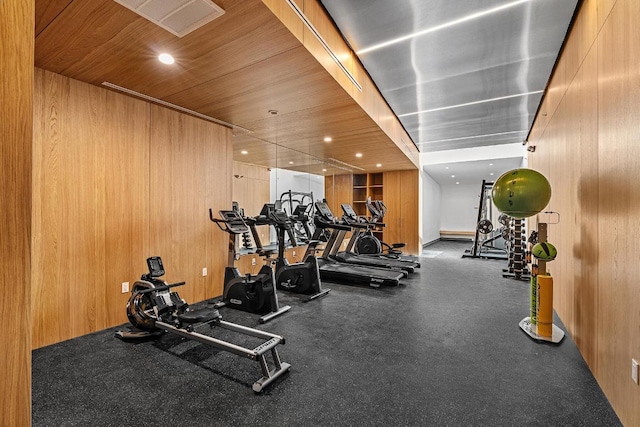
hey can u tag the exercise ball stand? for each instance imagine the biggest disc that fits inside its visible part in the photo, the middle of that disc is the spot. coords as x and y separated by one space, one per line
539 325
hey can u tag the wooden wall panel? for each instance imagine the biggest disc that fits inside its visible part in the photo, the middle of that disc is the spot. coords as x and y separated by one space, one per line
51 124
619 207
116 180
338 189
179 223
400 189
126 201
590 153
90 205
16 116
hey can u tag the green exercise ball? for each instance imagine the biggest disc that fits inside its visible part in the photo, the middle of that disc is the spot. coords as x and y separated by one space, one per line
521 193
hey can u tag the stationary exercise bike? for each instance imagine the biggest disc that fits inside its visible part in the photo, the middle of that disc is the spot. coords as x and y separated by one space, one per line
250 293
301 277
154 309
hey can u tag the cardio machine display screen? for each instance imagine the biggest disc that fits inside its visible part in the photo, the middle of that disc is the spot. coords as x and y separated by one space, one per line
156 269
324 210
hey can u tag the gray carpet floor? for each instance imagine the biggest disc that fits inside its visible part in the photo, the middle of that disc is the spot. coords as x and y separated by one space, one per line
442 349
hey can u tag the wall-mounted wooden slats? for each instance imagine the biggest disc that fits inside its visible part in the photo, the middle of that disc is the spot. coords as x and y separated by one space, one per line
16 130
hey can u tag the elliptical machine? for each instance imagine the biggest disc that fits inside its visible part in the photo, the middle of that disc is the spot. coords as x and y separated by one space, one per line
250 293
301 277
154 309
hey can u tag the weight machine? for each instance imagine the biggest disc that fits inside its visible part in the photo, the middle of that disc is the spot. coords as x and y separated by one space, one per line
488 242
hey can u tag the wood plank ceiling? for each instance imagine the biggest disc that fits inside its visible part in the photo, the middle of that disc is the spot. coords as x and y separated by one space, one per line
235 69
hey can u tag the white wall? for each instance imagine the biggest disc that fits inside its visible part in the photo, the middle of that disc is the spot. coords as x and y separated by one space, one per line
430 208
459 207
282 180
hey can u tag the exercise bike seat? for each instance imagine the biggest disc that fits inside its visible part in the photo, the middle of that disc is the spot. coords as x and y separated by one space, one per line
199 316
266 252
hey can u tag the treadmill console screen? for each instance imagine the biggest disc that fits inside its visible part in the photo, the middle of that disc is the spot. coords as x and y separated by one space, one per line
323 209
348 211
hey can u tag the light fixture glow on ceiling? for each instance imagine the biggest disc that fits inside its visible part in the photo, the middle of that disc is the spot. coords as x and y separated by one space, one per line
453 176
165 58
244 152
457 183
378 165
327 139
490 164
466 104
474 136
358 155
491 174
441 26
446 167
324 170
290 163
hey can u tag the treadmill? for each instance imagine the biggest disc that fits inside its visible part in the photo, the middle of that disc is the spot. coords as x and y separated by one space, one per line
375 260
333 270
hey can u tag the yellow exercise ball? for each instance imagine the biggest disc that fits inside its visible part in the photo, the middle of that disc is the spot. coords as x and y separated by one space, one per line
521 193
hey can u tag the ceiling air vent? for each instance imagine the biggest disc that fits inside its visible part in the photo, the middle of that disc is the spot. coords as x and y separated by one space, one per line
179 17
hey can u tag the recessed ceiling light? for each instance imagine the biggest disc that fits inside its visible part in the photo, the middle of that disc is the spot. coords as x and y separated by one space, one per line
324 170
165 58
457 183
358 154
327 139
453 176
491 174
244 152
447 167
490 164
290 163
378 165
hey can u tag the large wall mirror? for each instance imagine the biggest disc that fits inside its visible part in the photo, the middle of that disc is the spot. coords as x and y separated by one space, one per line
269 169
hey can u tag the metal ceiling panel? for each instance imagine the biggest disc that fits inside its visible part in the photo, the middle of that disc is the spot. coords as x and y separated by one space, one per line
469 52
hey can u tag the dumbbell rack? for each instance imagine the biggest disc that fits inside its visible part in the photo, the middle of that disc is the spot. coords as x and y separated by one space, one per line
517 267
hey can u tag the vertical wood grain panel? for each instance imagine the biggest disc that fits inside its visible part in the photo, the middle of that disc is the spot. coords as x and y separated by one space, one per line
589 151
219 168
337 190
179 223
50 300
619 207
401 197
126 204
16 115
582 254
392 198
108 193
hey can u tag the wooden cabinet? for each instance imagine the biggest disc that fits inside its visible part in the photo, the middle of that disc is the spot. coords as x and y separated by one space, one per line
367 185
398 190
